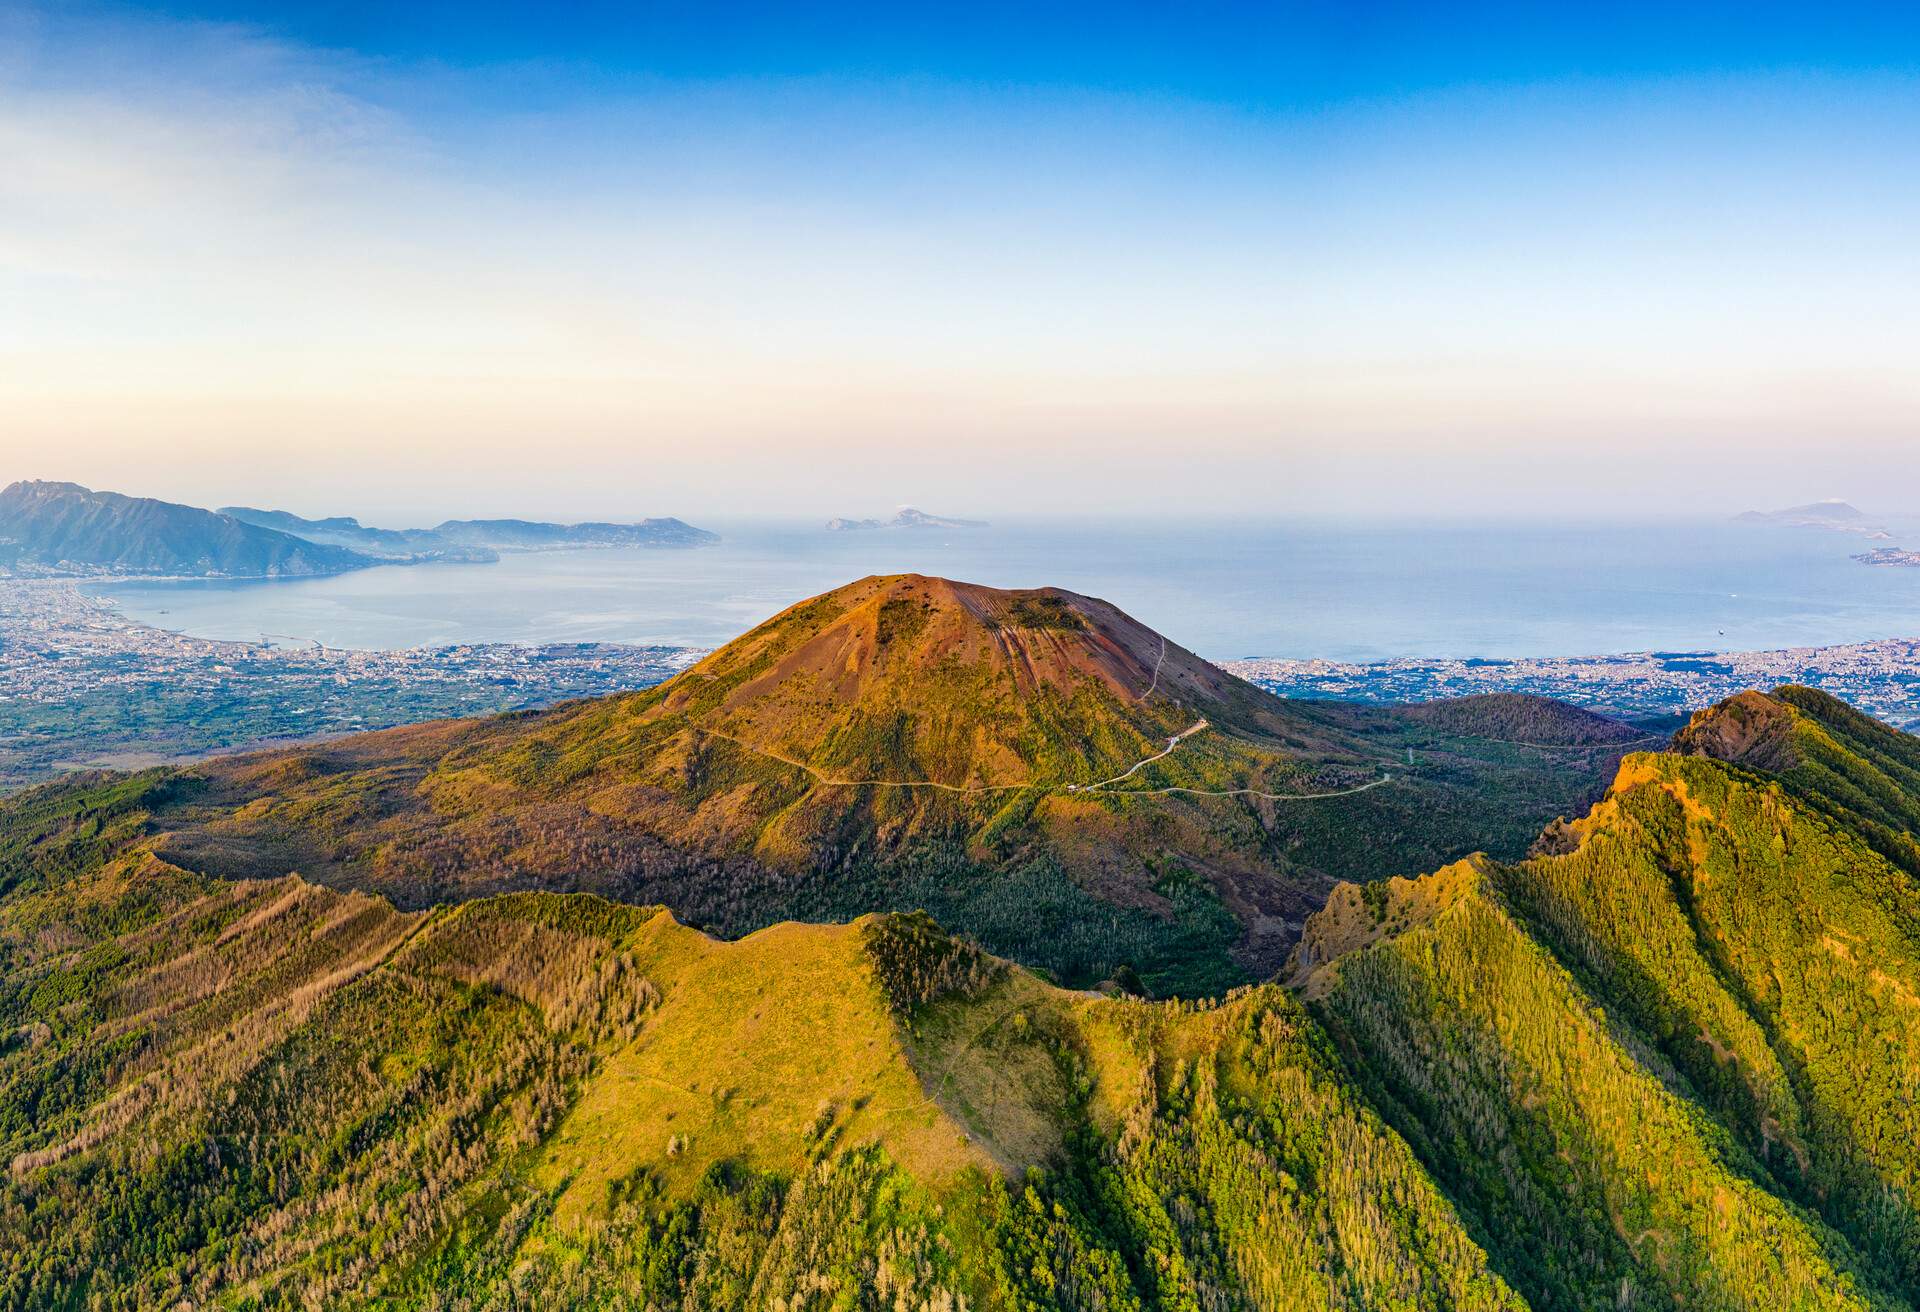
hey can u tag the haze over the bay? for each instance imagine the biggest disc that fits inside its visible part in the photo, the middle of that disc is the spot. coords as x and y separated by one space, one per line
734 262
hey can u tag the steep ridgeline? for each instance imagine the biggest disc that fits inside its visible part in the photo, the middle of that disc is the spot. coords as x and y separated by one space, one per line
1672 1060
63 528
1825 753
1035 768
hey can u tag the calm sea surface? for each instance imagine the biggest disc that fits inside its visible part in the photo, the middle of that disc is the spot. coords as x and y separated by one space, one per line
1225 589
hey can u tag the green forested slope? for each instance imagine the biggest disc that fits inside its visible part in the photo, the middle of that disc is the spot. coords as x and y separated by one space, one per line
1773 956
1670 1061
1684 1051
1593 1178
271 1094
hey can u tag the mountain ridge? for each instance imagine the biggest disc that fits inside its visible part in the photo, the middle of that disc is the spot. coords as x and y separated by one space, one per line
60 529
67 528
475 540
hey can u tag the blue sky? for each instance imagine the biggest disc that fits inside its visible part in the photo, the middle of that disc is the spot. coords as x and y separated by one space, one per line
1275 57
1371 258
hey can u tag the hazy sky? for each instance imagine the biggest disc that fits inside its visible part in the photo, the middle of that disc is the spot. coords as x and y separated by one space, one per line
701 258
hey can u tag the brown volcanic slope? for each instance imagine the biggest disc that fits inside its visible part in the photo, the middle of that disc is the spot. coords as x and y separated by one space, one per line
908 679
1749 729
999 757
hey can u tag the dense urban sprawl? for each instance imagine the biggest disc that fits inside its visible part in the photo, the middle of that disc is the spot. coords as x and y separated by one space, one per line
1881 678
82 685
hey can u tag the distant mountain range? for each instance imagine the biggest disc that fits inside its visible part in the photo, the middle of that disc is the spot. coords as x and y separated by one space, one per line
408 544
475 539
908 517
65 529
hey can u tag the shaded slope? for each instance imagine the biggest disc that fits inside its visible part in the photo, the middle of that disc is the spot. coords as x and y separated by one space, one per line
1775 960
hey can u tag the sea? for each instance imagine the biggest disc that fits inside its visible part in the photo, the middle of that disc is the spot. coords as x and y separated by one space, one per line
1340 590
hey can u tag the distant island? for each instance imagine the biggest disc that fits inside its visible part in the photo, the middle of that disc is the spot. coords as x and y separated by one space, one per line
907 518
53 529
1891 556
1835 516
